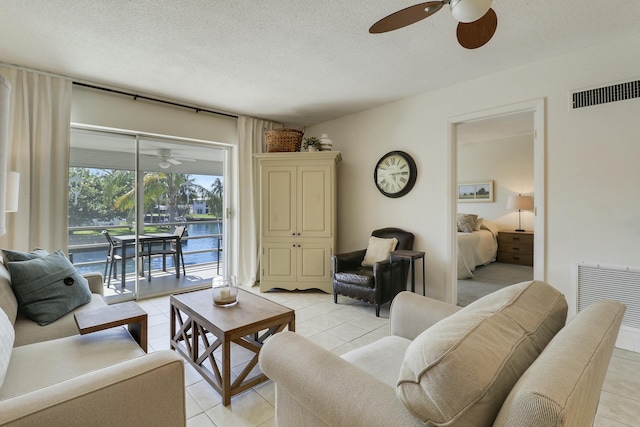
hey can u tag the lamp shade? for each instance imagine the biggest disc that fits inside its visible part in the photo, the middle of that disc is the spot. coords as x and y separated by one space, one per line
469 10
13 189
520 203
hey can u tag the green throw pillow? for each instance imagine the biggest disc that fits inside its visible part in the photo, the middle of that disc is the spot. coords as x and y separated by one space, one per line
48 287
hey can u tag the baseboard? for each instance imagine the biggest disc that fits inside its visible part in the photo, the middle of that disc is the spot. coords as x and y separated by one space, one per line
629 339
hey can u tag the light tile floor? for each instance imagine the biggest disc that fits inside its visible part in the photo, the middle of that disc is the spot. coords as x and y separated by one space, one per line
340 328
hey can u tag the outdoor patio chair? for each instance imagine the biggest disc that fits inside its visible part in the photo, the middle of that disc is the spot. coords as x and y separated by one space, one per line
114 254
175 250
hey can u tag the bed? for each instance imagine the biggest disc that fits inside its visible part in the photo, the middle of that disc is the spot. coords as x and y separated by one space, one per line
478 247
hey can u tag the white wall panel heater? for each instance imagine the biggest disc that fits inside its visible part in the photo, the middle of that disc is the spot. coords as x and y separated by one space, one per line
597 282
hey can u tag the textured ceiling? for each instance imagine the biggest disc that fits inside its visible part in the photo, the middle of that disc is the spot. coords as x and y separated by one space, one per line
293 61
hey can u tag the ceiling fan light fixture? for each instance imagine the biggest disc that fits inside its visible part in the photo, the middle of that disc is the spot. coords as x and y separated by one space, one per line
164 164
469 10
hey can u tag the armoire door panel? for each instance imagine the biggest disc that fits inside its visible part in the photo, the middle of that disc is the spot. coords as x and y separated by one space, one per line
279 261
313 262
314 201
279 192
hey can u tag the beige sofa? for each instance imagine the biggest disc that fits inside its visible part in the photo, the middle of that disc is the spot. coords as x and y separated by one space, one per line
506 360
53 376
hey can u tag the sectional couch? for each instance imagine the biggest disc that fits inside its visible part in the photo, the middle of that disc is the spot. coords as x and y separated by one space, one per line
50 375
506 360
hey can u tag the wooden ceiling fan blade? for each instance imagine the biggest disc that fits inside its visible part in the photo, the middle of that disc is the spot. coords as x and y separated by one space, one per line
475 34
407 16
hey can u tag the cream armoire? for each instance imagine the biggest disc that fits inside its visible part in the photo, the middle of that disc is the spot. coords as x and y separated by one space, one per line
297 219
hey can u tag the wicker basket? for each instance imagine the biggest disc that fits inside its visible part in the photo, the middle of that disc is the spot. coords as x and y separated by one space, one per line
283 140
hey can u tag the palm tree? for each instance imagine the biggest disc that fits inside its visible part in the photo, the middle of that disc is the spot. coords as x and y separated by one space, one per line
153 191
216 197
188 188
159 187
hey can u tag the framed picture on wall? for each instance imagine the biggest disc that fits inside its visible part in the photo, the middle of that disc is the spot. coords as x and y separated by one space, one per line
475 191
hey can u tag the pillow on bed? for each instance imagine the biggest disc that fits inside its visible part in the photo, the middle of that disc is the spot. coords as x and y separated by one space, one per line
491 226
478 224
466 222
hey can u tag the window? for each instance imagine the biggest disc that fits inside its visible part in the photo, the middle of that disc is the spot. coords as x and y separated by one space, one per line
136 184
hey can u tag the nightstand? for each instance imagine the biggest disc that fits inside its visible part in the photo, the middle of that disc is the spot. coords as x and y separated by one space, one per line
515 247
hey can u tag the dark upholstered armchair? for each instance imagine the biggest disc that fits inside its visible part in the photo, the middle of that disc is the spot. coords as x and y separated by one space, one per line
371 284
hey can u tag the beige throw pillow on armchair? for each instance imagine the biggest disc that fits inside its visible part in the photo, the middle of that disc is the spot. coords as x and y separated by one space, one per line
459 371
378 250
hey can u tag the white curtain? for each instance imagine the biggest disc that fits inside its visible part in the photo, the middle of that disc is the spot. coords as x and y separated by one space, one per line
38 148
5 91
251 140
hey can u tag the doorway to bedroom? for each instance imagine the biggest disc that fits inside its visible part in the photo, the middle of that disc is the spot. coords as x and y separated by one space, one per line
495 163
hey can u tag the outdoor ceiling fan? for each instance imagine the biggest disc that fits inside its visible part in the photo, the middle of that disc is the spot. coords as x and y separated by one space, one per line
477 22
166 159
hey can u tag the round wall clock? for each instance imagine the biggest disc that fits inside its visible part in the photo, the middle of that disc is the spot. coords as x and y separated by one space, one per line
395 174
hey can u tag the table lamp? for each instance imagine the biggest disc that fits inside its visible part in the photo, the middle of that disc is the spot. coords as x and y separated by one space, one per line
520 203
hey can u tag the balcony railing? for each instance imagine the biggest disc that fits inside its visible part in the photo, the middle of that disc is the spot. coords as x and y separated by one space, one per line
88 252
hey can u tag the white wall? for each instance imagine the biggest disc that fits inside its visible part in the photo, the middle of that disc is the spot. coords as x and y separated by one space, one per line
509 163
591 163
99 108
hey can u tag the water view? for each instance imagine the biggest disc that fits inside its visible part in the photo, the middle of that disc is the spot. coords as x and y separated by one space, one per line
199 246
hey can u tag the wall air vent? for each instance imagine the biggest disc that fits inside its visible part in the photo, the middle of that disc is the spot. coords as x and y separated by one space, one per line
602 95
596 282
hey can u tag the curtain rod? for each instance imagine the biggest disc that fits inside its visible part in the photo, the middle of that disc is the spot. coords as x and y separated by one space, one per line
120 92
147 98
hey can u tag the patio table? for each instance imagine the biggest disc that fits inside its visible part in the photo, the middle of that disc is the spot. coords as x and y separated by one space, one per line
127 239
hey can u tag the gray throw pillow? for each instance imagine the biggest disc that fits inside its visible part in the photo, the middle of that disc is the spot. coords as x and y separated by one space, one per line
24 256
48 287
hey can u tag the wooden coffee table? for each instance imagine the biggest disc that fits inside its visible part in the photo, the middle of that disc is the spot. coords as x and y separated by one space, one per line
126 313
198 328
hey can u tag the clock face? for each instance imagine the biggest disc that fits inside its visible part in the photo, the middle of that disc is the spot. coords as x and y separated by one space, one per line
395 174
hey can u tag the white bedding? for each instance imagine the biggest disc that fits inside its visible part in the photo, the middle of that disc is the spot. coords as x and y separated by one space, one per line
476 248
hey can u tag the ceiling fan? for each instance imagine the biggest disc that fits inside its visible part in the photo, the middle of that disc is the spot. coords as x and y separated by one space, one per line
166 159
477 22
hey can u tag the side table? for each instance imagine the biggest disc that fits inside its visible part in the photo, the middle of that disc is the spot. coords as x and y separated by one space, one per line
126 313
411 256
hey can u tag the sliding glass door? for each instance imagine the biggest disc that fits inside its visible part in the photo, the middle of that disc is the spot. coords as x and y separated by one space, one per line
146 211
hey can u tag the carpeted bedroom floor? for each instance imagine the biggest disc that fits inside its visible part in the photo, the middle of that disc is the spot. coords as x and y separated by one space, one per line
490 278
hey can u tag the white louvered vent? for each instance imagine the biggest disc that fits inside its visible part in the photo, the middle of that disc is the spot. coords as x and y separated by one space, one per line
602 95
596 282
